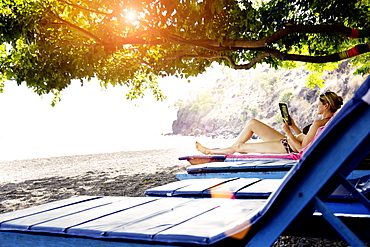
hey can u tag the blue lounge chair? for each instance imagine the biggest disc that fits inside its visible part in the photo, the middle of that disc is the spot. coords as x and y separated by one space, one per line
222 222
246 188
254 169
243 169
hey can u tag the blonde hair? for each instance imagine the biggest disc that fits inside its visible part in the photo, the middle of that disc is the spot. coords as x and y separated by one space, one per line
335 101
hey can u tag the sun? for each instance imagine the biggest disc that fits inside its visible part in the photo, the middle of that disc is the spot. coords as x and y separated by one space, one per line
131 15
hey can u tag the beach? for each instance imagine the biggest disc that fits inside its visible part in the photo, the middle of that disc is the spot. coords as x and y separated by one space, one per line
31 182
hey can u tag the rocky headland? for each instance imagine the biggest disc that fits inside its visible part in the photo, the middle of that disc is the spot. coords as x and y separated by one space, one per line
222 109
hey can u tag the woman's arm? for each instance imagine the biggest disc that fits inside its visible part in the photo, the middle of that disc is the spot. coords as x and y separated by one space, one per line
295 128
298 144
312 132
294 142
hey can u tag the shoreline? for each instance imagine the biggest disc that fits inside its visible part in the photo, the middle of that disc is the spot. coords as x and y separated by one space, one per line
27 183
115 163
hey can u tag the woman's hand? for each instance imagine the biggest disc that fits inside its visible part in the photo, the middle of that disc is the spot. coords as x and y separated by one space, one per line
292 140
286 128
295 128
293 122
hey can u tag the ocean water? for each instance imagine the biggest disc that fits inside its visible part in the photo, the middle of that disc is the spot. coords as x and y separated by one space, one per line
29 148
87 121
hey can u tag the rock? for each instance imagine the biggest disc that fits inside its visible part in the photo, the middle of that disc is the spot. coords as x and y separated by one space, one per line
243 95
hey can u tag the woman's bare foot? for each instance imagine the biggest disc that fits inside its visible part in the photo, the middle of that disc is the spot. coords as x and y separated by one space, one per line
202 149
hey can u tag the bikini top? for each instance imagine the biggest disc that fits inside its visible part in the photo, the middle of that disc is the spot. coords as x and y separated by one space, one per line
307 128
318 132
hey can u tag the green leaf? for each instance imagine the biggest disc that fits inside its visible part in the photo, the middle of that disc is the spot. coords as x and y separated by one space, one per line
47 43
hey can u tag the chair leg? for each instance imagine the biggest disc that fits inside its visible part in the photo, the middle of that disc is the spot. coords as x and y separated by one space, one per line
338 225
350 188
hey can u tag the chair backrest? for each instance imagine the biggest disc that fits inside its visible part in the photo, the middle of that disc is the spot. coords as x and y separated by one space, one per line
338 150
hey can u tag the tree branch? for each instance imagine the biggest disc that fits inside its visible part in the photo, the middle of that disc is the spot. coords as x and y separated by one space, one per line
292 28
87 33
206 44
181 53
231 60
235 45
355 51
86 9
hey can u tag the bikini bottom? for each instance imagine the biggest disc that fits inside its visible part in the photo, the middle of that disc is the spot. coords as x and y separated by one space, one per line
286 145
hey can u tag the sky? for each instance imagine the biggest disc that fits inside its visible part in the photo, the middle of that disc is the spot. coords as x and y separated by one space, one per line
88 119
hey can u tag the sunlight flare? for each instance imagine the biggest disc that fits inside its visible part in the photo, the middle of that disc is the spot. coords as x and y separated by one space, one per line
131 16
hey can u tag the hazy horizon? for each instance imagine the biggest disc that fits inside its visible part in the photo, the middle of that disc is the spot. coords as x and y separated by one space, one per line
87 120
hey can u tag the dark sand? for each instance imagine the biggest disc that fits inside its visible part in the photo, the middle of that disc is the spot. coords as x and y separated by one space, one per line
26 183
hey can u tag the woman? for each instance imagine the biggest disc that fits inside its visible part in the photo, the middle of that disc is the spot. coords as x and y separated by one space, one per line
273 141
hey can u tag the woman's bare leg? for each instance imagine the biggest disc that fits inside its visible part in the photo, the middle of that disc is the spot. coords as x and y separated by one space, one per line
265 132
271 141
204 150
272 147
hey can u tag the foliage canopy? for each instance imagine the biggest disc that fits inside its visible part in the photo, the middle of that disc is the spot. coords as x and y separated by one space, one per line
48 43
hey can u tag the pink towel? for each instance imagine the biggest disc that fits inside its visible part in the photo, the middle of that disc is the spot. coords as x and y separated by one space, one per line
244 157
